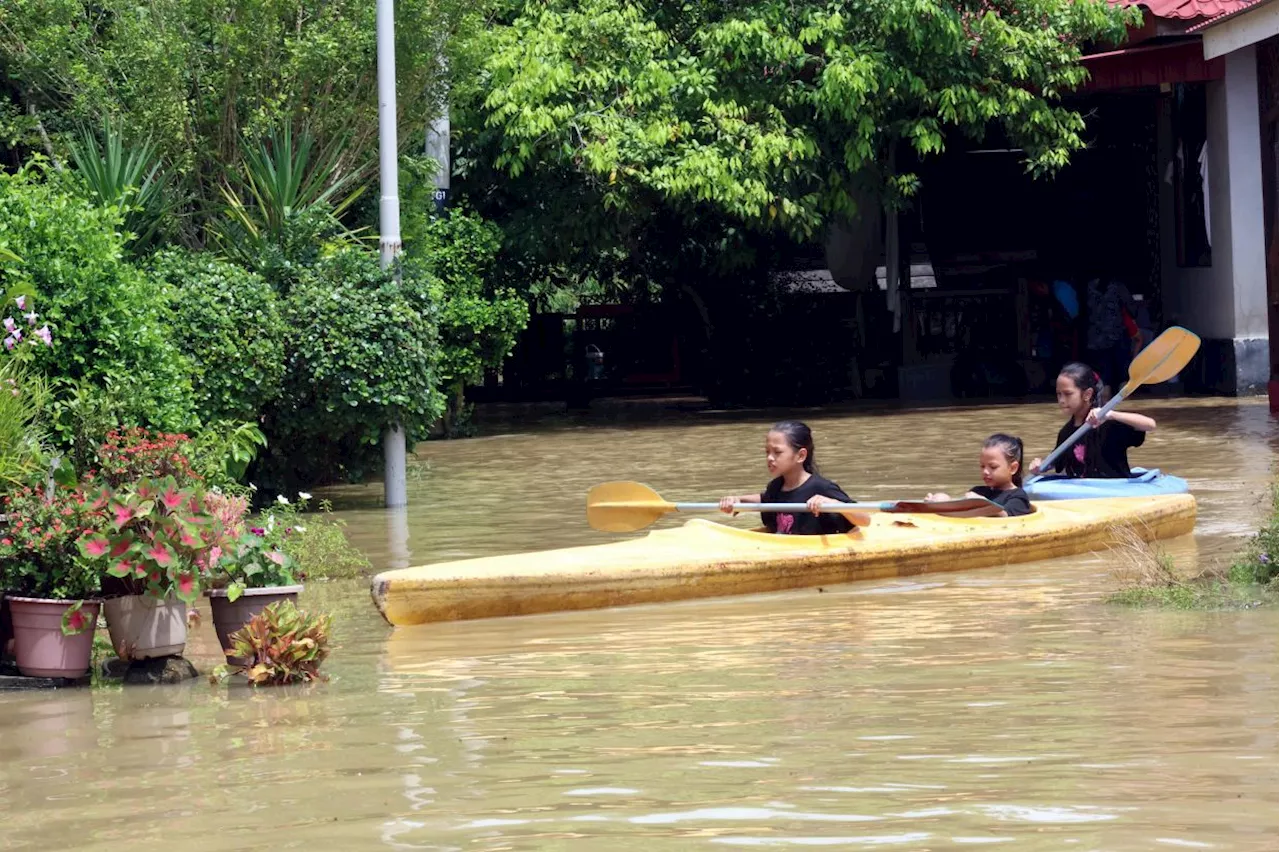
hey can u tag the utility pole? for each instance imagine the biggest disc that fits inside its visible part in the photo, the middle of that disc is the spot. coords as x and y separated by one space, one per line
393 441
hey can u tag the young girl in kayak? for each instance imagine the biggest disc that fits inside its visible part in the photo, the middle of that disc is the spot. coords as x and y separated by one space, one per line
1001 462
788 452
1104 450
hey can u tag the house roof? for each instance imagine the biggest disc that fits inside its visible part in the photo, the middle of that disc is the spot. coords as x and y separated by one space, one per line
1188 10
1222 16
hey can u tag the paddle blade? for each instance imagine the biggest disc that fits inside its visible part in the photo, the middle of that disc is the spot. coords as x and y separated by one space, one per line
1163 358
969 507
624 506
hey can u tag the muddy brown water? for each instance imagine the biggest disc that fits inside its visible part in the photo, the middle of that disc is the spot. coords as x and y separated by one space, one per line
1010 706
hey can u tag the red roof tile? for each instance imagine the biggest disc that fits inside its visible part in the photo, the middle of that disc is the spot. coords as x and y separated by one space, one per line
1240 7
1187 10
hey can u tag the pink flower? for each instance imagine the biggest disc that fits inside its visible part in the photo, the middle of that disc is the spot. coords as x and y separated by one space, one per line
21 302
31 318
8 343
9 325
44 334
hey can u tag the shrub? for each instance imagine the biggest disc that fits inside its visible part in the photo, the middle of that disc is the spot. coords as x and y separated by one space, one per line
108 319
479 324
360 356
22 401
321 548
282 645
227 322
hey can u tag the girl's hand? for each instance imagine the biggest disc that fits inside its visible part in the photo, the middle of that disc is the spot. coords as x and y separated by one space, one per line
726 504
1096 418
936 497
1034 467
818 500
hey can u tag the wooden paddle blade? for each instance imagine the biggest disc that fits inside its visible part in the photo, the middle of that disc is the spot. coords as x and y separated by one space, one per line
969 507
1163 358
624 506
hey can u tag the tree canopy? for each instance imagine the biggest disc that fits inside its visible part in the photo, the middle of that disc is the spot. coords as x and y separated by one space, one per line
770 111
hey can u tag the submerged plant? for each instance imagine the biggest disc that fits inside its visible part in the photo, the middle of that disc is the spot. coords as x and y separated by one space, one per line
281 645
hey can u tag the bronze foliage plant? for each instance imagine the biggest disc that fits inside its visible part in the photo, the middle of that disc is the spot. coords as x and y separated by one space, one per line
281 645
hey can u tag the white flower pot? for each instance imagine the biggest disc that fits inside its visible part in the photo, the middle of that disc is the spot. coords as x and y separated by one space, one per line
143 627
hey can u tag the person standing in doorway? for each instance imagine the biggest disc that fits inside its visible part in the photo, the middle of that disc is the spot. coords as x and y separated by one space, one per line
1108 341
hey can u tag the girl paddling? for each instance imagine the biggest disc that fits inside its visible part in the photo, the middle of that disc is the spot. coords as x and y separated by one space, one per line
788 452
1104 450
1001 461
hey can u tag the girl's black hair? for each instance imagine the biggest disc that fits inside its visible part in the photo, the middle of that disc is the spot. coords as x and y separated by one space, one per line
1011 446
1084 377
799 437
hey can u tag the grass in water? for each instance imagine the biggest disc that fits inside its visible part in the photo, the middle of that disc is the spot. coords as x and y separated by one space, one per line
1148 577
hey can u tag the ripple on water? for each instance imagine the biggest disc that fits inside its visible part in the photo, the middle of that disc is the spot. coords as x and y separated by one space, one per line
990 707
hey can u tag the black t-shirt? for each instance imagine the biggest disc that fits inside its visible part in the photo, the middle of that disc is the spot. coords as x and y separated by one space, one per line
1102 453
1014 501
804 523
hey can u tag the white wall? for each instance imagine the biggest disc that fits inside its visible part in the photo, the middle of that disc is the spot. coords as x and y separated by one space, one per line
1244 157
1229 299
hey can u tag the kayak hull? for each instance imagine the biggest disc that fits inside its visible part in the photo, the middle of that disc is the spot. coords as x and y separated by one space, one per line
1143 483
705 559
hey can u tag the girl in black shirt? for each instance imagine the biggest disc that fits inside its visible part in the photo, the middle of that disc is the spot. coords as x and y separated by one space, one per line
1001 476
788 452
1104 450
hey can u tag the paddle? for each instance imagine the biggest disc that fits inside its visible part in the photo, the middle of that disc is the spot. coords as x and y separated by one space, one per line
1163 359
631 506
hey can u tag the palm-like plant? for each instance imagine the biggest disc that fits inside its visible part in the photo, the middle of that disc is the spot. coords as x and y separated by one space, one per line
281 180
126 177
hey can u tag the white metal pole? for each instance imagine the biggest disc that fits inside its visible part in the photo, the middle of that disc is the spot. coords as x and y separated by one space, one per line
393 442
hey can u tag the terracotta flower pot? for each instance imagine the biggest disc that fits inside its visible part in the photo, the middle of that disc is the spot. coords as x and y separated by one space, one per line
143 627
40 646
229 616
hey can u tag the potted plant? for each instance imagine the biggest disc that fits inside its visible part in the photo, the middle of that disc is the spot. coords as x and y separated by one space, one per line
155 544
253 571
280 645
51 586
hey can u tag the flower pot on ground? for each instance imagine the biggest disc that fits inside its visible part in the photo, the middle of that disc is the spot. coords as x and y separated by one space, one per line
231 615
51 583
253 570
157 544
142 626
53 638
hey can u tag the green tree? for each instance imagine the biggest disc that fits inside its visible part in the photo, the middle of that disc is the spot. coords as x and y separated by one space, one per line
769 112
206 80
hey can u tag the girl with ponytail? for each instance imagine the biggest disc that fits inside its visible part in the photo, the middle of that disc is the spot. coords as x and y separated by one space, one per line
789 455
1104 450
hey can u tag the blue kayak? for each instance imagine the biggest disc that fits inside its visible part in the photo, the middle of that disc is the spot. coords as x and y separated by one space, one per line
1141 483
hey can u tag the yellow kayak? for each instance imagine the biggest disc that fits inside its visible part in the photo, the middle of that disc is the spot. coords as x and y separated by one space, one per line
706 559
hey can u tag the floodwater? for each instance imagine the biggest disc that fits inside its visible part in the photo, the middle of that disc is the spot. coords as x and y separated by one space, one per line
1010 706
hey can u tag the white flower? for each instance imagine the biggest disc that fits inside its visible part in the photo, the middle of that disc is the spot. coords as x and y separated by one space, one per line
299 528
302 495
282 500
252 487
